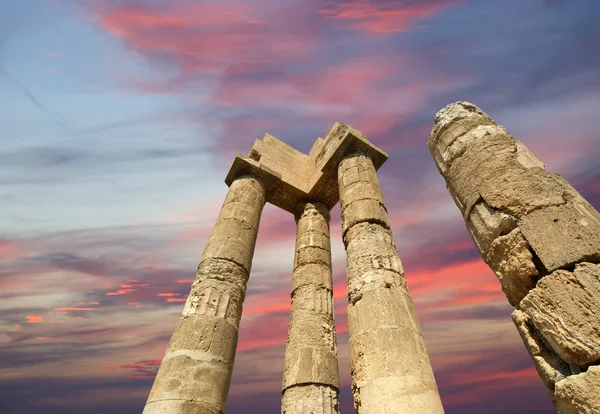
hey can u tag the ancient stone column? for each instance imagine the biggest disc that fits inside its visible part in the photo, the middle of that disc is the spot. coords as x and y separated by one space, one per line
311 378
540 237
391 371
195 373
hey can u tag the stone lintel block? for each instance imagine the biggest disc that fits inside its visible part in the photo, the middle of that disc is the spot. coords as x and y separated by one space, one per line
312 274
203 384
243 166
180 407
562 235
310 398
486 225
389 308
216 298
229 249
548 365
579 394
313 239
325 189
510 258
311 254
410 394
364 211
222 270
342 141
312 298
309 365
292 164
564 307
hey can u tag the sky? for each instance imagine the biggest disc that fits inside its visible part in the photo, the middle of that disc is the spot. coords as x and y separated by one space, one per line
120 119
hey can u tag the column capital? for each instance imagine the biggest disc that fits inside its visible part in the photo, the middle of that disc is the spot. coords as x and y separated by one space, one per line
342 141
244 166
303 206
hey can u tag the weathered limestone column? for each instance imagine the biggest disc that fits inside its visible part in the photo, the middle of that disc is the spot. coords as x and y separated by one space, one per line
540 237
391 371
195 373
311 378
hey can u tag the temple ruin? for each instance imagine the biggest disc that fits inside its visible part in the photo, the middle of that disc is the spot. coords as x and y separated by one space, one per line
532 228
540 237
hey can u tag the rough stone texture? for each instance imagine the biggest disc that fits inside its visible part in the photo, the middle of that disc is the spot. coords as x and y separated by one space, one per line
315 399
562 235
391 371
579 394
195 373
294 177
311 377
536 232
511 260
564 307
548 365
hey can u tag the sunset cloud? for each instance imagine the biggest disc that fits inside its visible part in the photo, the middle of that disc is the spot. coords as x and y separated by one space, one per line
383 16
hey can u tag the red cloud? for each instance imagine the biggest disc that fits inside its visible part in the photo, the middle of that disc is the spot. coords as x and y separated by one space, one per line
43 338
12 250
34 318
383 17
206 36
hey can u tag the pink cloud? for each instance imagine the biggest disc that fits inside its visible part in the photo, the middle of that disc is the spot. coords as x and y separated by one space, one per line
369 16
52 54
34 318
43 338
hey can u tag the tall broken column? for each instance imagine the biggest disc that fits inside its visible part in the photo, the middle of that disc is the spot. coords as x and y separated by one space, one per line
540 237
195 373
391 370
311 378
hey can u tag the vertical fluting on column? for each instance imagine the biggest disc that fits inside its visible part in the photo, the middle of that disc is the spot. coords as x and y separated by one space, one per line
195 373
540 237
311 378
391 371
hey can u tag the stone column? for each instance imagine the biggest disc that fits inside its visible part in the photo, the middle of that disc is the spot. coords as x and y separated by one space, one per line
540 237
391 371
311 378
195 373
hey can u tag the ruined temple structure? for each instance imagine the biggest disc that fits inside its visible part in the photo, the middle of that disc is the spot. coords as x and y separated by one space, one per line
391 371
540 237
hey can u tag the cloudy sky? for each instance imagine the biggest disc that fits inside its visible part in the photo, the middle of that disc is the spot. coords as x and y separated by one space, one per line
119 120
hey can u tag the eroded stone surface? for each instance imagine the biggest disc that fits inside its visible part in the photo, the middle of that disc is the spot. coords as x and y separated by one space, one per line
527 224
195 373
318 399
386 377
564 307
510 258
562 235
548 365
311 368
579 394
